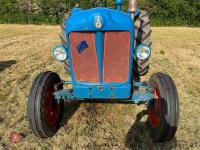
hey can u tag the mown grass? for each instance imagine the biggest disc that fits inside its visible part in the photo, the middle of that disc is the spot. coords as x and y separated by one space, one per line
25 52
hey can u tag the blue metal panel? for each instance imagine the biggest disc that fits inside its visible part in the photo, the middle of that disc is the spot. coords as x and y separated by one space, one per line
75 10
141 96
118 4
113 20
102 92
100 52
95 92
122 92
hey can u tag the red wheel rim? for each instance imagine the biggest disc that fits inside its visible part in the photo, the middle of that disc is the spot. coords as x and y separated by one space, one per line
52 109
154 110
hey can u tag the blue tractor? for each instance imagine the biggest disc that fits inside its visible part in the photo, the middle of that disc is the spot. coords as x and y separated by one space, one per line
106 51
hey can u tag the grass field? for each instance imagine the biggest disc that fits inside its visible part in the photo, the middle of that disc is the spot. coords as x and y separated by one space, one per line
25 52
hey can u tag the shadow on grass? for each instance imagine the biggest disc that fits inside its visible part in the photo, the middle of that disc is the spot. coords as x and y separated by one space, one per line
69 110
138 137
6 64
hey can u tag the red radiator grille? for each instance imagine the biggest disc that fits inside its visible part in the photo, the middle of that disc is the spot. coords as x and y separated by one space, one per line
116 56
85 64
115 62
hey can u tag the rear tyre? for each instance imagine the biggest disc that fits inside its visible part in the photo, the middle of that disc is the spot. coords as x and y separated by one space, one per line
163 110
64 42
142 36
44 112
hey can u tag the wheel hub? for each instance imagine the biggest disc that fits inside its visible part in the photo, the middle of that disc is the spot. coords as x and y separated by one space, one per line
154 110
52 108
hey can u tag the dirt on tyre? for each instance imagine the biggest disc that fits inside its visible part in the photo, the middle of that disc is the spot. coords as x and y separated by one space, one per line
44 112
142 36
163 110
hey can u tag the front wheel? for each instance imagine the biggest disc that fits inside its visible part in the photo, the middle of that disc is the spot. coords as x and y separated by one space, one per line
44 112
163 110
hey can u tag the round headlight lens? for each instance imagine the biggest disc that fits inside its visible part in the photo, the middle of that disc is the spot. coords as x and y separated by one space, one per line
143 52
59 53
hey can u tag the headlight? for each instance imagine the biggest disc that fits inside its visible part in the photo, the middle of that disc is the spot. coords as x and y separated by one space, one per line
59 53
98 22
143 52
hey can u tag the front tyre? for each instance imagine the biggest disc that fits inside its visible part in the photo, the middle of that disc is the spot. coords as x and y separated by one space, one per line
163 110
44 112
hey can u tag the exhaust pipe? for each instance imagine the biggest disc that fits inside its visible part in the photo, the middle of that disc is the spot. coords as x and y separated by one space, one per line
132 7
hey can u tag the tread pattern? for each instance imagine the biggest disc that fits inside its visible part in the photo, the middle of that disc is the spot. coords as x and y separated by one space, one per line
36 103
63 35
64 42
31 104
142 36
170 108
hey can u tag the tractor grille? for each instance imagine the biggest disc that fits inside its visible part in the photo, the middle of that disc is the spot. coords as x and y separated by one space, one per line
85 63
116 56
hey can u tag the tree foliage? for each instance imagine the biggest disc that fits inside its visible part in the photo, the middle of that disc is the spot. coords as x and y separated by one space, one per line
162 12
